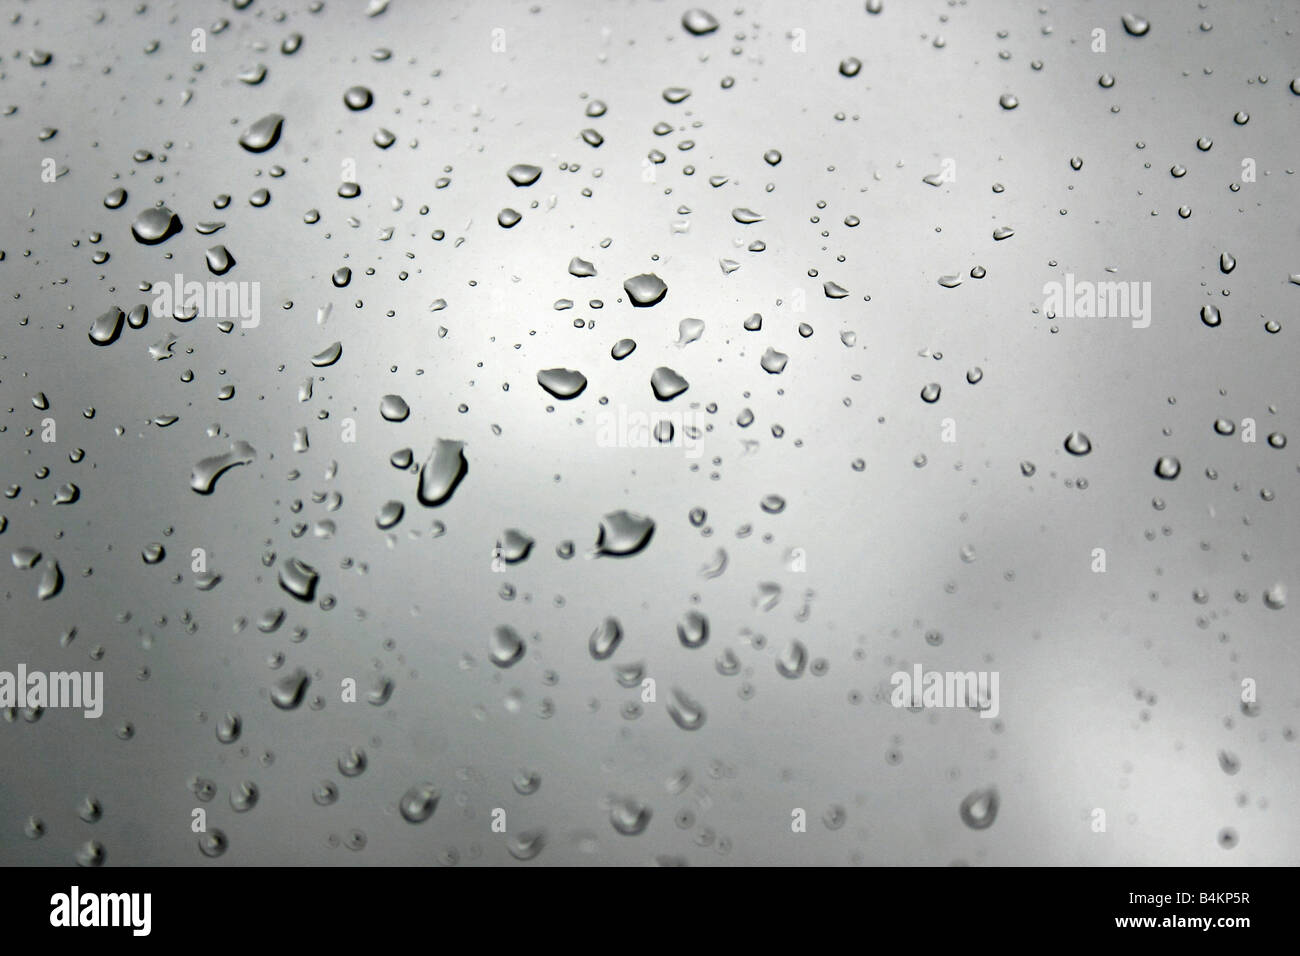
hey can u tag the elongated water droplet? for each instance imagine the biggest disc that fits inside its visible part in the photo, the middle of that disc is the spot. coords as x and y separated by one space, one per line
687 713
155 225
205 474
328 355
442 472
219 260
524 175
106 329
51 582
288 692
699 22
792 661
605 639
693 629
506 646
563 383
263 134
623 533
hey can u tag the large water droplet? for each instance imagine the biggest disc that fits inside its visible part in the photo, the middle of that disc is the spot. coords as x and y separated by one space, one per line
1134 25
623 533
444 469
204 477
106 329
563 383
419 802
666 384
299 579
522 174
645 290
506 646
628 816
288 692
155 225
263 134
699 22
393 408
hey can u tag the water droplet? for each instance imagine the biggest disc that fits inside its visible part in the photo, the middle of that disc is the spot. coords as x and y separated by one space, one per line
1134 25
980 808
288 692
526 844
393 408
792 660
219 260
506 646
419 802
1168 468
328 356
645 290
155 225
106 329
358 98
1077 443
1275 597
686 712
628 816
563 383
299 579
445 468
699 22
263 134
666 384
605 639
693 629
773 362
623 533
522 174
205 474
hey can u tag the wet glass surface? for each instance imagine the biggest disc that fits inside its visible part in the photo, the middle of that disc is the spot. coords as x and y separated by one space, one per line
562 433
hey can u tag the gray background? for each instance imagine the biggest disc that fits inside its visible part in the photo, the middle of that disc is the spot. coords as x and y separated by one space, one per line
1118 690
